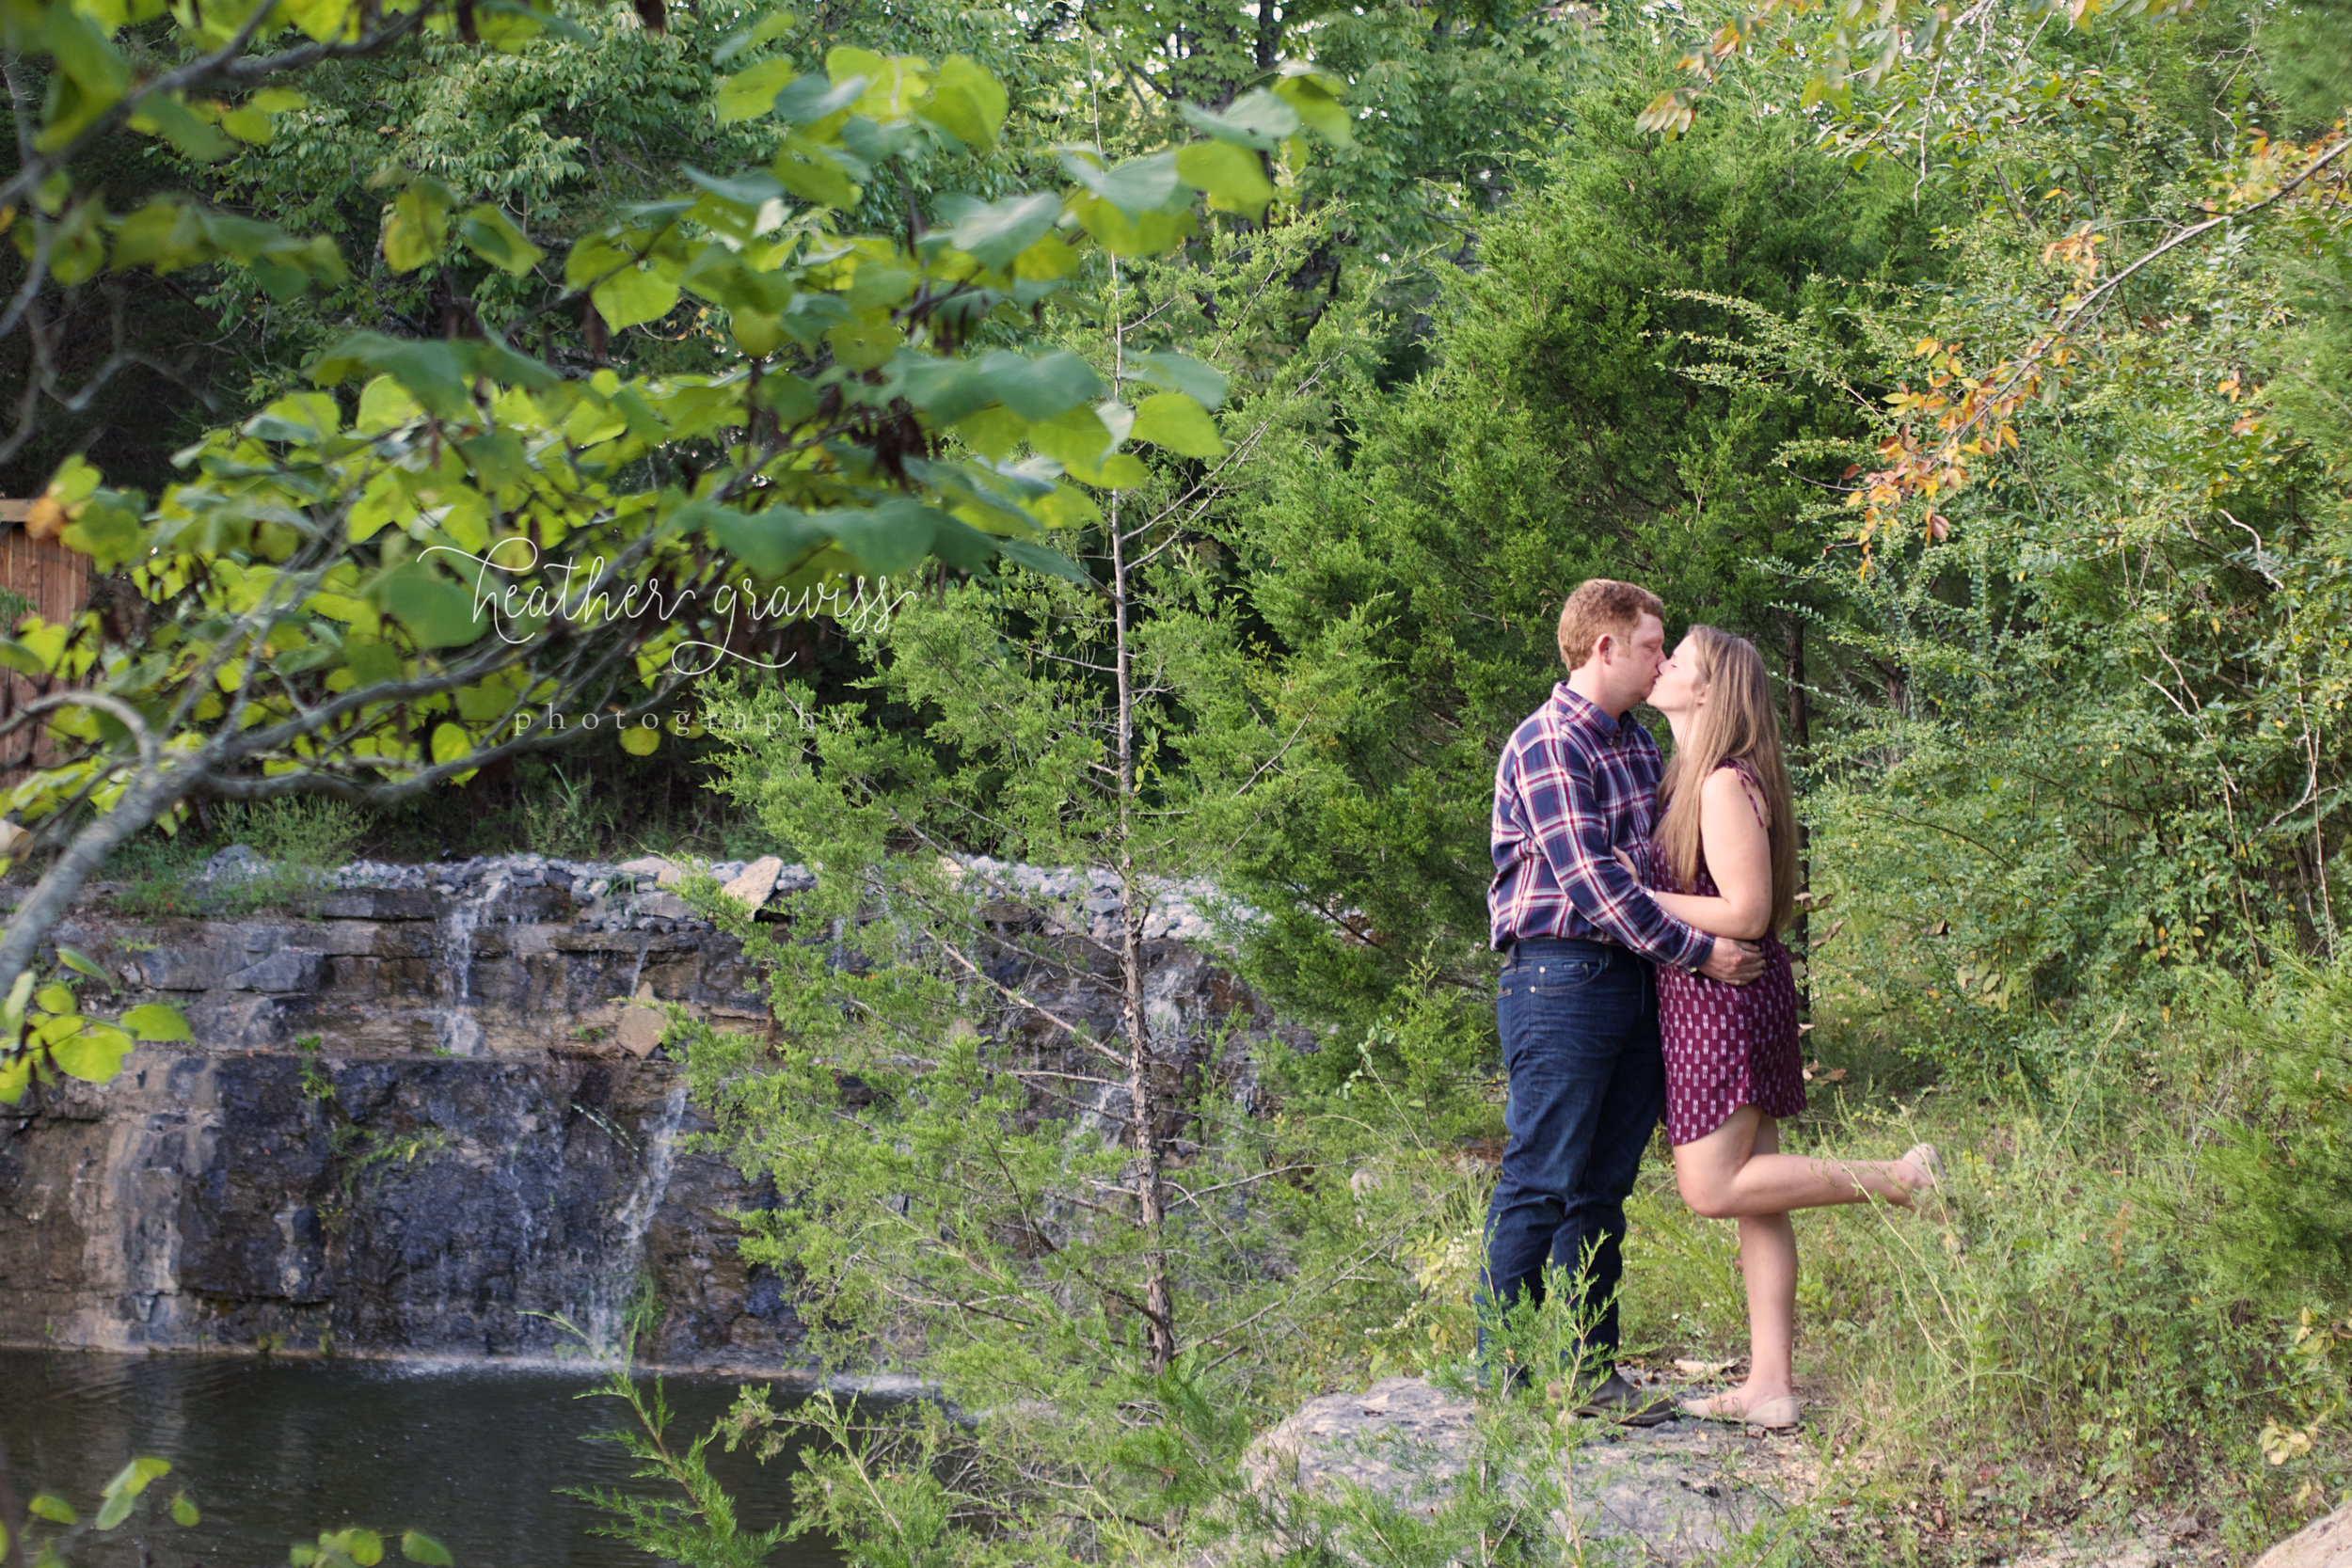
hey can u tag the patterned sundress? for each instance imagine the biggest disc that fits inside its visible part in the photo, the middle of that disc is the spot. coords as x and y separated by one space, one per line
1727 1046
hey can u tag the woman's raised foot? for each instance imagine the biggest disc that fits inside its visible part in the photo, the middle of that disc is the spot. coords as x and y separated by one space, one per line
1927 1166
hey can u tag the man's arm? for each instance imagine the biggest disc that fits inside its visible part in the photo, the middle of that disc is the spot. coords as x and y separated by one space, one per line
1564 814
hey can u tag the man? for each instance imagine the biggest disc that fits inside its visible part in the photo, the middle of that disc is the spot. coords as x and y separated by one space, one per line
1577 1000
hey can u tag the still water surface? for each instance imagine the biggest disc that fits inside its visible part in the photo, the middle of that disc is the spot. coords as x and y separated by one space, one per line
274 1452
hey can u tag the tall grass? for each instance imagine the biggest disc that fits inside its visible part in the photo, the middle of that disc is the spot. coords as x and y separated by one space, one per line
2067 1338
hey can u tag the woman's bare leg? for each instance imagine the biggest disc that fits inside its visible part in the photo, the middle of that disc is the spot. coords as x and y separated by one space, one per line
1733 1173
1767 1257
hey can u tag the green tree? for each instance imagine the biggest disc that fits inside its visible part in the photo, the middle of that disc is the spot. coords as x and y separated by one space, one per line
1566 430
364 602
1016 1160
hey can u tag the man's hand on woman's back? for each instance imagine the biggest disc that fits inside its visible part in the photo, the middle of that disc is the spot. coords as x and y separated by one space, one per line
1736 962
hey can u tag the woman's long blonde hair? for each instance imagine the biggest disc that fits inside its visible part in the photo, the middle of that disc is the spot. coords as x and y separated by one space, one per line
1735 725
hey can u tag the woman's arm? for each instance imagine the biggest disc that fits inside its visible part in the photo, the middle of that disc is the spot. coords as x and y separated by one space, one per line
1739 855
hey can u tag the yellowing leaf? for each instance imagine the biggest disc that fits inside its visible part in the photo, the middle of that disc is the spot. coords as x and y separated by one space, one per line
415 227
93 1054
1174 420
634 296
154 1021
749 94
1315 95
1232 176
863 347
639 740
417 1547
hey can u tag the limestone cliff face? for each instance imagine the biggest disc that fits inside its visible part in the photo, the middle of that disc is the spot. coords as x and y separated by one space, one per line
405 1128
424 1120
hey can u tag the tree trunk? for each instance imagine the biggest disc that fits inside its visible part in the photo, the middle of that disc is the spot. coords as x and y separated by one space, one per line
1159 1305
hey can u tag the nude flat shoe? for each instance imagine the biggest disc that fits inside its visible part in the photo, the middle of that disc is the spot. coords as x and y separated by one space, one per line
1928 1159
1774 1415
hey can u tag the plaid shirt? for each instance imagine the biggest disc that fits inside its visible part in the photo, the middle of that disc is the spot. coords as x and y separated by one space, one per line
1573 786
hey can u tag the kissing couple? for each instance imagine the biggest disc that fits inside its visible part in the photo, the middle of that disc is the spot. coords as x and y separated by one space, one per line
1636 908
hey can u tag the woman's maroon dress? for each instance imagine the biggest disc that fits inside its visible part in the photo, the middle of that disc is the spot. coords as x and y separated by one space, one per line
1727 1046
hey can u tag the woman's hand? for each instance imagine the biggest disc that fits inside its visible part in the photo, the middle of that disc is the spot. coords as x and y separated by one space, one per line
1627 861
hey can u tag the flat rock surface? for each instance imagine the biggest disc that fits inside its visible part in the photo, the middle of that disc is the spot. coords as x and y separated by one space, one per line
2327 1543
1680 1492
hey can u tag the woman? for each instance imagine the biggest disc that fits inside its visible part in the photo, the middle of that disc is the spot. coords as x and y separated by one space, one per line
1724 856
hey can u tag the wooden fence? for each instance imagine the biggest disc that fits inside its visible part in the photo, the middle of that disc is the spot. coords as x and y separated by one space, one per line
54 584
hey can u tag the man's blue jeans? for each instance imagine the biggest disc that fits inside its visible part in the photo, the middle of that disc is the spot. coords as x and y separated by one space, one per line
1579 1039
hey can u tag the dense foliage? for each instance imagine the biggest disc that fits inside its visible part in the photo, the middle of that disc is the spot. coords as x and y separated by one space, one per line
1995 379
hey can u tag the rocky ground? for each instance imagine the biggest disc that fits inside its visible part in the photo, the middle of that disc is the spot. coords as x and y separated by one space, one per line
1681 1492
1684 1492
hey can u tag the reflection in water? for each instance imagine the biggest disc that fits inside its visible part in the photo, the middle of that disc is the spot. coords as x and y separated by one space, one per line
274 1452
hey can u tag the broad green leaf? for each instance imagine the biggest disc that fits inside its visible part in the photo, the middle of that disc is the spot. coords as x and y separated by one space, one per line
1256 119
184 1510
116 1506
385 404
1003 230
154 1021
966 102
1047 262
771 543
634 296
325 20
813 172
1231 175
993 432
437 612
813 97
1136 186
1120 470
864 347
1146 234
16 1076
248 125
450 742
767 29
639 740
168 114
889 539
1180 372
493 236
751 94
1042 388
133 1478
1316 95
415 227
73 958
1064 507
95 1054
13 1011
417 1547
1076 439
55 999
1174 420
892 83
365 1547
49 1506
